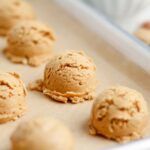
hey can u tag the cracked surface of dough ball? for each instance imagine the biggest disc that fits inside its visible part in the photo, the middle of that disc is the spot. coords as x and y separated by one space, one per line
70 76
11 12
12 97
120 113
42 133
30 42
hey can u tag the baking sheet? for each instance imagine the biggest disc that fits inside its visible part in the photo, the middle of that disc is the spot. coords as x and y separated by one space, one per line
112 68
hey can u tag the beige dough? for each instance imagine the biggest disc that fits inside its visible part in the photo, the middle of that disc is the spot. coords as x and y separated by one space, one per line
147 25
70 76
42 133
12 97
143 33
120 113
30 42
11 12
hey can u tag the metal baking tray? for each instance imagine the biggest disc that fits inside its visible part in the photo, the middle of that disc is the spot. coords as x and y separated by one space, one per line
120 59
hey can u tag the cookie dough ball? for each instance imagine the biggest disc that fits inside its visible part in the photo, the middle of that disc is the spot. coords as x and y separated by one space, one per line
143 33
70 76
11 12
30 42
42 133
12 97
147 25
120 113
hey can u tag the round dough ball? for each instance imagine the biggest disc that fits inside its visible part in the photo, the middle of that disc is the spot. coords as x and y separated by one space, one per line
120 113
12 97
11 12
70 76
30 42
42 133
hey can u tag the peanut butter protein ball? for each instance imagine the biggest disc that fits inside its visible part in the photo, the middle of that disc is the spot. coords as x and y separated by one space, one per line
143 33
120 113
70 76
30 42
13 11
42 133
12 97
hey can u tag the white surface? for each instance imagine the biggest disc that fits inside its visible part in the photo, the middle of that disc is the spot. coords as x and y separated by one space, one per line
119 9
138 145
129 14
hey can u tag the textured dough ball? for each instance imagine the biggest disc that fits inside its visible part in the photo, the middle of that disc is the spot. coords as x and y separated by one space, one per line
30 42
42 133
12 97
11 12
120 113
69 76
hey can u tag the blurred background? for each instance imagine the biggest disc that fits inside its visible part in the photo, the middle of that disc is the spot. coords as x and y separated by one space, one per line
130 15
